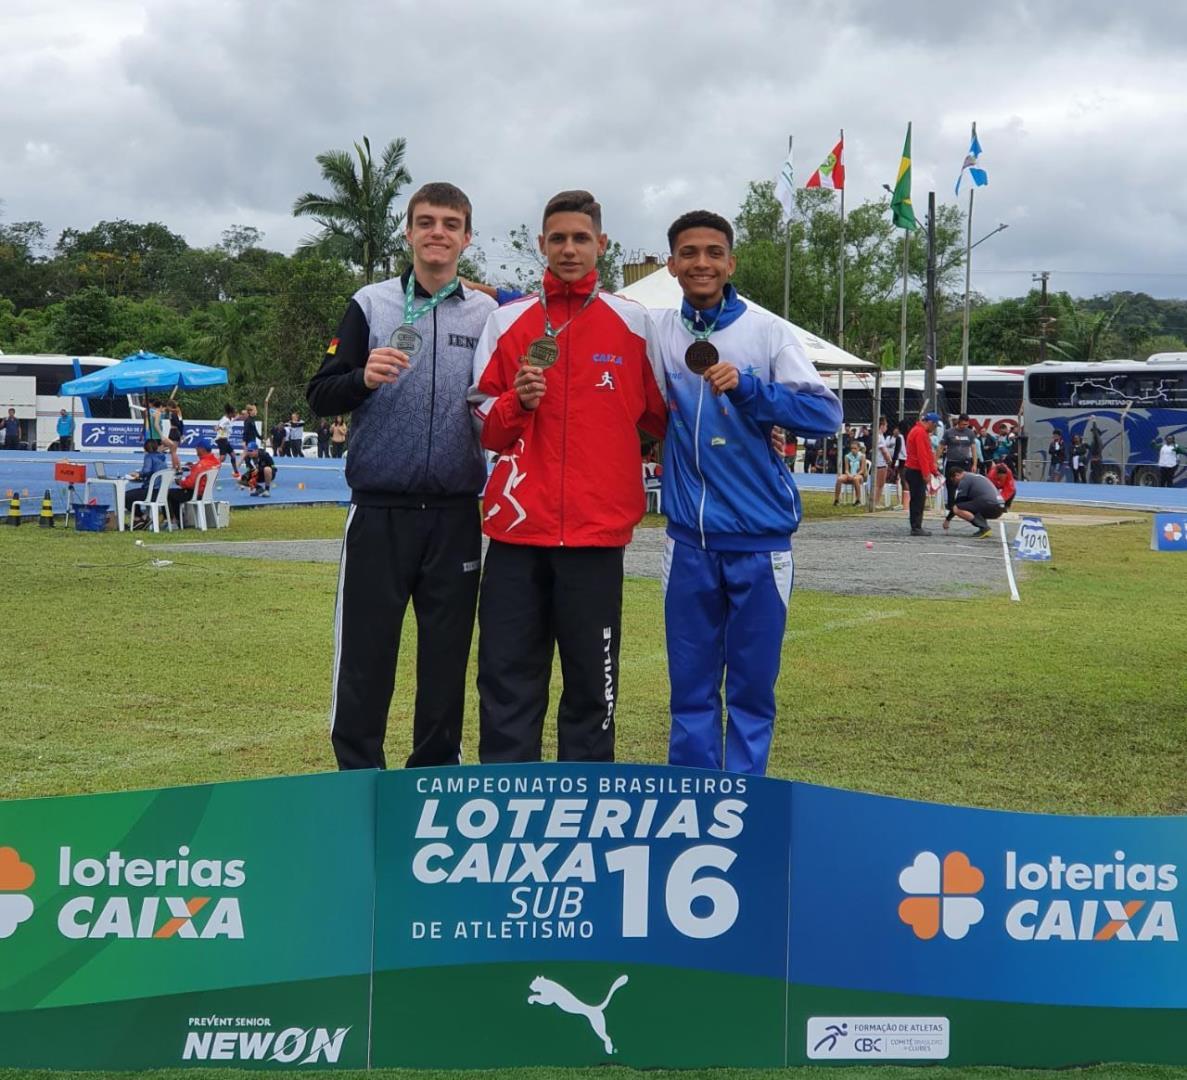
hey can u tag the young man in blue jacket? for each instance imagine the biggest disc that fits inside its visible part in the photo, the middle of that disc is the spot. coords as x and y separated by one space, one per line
732 373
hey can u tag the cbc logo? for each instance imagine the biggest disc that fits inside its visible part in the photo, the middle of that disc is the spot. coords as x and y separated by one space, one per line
867 1045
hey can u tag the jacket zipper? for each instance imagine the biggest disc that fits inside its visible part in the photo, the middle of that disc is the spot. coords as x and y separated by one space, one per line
565 416
697 459
432 403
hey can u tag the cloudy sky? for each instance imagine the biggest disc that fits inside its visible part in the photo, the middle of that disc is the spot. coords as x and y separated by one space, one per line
203 114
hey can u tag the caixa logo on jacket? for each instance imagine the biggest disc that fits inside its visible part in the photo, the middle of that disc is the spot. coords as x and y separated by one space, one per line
1050 898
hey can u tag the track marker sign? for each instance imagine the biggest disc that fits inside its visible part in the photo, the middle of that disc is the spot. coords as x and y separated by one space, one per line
1169 532
1031 541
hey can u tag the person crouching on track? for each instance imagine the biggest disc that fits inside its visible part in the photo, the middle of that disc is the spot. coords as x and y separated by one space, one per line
976 501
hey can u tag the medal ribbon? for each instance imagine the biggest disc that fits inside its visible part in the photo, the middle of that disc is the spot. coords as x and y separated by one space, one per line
703 335
411 312
548 328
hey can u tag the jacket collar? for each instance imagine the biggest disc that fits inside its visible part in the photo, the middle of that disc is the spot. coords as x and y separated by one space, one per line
421 291
731 308
555 289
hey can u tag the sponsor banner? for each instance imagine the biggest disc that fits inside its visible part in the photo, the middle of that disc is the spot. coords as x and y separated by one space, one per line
1169 532
947 902
129 434
188 925
567 912
1031 541
877 1038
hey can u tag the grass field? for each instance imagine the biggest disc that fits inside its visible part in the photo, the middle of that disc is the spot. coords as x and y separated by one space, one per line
116 674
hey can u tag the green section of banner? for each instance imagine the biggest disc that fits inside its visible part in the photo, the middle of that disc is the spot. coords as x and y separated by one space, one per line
1003 1033
141 895
502 1015
322 1020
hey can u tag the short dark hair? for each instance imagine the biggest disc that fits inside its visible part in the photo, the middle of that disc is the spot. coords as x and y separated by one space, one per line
573 202
700 219
439 193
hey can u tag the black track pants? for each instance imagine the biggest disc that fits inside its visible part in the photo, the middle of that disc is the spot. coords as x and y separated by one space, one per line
391 555
917 486
533 597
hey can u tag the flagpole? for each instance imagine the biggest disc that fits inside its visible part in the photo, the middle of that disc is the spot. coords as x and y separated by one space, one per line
968 272
902 330
841 261
787 256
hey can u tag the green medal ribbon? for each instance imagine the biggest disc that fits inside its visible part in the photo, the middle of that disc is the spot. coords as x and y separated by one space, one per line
548 328
703 335
411 311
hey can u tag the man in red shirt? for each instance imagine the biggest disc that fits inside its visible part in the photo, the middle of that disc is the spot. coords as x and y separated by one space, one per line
921 467
1003 479
187 486
562 381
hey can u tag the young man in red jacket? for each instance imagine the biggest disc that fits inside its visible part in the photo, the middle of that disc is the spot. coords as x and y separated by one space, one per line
563 379
921 467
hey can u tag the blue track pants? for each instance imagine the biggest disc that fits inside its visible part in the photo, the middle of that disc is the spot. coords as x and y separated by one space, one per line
725 613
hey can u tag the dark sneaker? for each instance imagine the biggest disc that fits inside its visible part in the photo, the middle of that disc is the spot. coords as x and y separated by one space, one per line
267 494
921 532
981 534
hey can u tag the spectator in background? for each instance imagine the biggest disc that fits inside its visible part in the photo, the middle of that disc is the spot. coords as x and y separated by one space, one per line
1078 456
960 452
988 448
1095 451
279 436
65 430
154 461
1003 479
176 424
323 438
337 437
295 436
898 458
1168 461
12 431
187 486
790 449
1056 458
251 430
883 460
222 438
856 465
154 423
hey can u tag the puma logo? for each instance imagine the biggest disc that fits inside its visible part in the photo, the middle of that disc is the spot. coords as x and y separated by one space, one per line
547 992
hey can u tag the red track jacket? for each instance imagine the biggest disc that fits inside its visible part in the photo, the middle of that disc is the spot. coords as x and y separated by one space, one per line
569 473
920 454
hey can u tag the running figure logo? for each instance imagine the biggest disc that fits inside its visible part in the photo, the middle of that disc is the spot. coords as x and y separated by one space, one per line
547 992
832 1033
607 382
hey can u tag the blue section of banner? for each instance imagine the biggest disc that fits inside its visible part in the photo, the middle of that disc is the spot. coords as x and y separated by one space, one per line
129 434
646 864
914 898
1169 532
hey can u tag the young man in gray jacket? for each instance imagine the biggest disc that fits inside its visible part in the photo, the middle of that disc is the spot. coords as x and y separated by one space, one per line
402 364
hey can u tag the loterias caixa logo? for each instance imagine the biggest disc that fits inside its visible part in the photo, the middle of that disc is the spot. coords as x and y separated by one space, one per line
109 897
1049 899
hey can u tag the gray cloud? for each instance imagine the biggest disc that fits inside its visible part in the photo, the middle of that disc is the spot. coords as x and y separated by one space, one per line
201 115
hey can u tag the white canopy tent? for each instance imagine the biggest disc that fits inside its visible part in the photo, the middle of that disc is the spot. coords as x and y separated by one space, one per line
662 291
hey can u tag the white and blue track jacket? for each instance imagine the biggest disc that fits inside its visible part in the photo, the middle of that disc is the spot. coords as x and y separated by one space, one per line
724 486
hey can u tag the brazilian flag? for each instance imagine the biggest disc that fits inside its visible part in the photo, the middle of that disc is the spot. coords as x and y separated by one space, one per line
900 201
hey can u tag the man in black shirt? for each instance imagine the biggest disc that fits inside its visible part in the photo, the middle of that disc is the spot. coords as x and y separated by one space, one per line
960 452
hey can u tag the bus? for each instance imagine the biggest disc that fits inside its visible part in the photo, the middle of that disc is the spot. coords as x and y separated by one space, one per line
858 388
994 395
1125 407
30 384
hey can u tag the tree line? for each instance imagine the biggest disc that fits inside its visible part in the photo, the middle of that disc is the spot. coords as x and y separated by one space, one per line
120 286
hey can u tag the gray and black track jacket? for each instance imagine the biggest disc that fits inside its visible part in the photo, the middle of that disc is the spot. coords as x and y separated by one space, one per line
413 437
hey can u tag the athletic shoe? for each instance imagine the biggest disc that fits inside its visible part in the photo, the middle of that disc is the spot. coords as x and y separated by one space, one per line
234 476
921 532
266 494
140 523
982 534
253 493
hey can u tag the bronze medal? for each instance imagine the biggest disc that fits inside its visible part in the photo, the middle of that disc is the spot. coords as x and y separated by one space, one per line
543 353
700 356
406 338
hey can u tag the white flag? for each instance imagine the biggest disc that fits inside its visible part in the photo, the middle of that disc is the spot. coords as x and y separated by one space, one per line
785 188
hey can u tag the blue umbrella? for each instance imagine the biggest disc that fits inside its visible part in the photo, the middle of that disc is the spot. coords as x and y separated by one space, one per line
142 372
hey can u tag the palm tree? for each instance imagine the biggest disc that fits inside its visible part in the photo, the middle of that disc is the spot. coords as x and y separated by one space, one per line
356 219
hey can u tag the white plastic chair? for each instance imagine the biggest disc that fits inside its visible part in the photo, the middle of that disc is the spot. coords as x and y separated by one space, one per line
156 499
201 506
